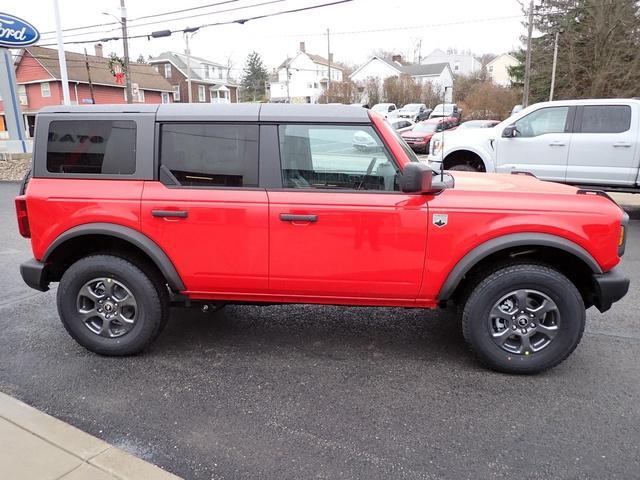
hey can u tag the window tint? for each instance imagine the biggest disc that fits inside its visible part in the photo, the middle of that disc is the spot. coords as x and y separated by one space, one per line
92 146
211 154
335 157
545 120
605 118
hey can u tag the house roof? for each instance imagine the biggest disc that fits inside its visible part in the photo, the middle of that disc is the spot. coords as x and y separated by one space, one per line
406 68
508 55
179 60
314 58
141 73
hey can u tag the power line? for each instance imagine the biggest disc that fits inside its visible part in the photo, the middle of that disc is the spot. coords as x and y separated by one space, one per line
240 21
143 17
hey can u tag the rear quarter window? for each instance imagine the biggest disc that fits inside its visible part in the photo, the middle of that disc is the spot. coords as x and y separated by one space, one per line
605 118
91 147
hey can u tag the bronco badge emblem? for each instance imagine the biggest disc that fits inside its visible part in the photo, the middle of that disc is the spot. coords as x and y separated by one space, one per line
440 219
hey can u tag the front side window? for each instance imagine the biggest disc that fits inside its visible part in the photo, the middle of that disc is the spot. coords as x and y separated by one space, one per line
92 147
344 157
210 155
605 119
545 120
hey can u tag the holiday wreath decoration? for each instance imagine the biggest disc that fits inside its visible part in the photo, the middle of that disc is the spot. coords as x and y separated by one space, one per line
116 67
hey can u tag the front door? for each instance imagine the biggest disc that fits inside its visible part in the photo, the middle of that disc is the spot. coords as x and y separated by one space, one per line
206 211
604 146
339 227
541 145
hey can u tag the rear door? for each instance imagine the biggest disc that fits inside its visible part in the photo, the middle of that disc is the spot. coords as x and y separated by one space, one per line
206 211
339 226
604 146
541 145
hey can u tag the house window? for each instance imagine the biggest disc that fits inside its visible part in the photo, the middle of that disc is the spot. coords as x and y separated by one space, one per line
22 95
156 68
167 70
140 96
202 94
456 66
165 97
45 89
176 93
206 72
220 73
491 68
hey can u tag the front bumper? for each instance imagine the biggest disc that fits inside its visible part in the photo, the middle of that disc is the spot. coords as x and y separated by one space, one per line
608 288
34 274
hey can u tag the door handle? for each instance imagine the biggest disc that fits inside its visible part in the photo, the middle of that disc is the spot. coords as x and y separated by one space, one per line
290 217
170 213
621 145
557 144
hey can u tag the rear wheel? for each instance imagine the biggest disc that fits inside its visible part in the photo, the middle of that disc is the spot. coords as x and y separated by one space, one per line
523 318
110 306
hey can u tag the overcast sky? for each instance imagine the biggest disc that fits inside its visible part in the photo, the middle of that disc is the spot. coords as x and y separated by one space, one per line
357 27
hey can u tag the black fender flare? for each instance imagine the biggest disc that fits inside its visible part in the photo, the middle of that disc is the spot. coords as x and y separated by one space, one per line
134 237
507 241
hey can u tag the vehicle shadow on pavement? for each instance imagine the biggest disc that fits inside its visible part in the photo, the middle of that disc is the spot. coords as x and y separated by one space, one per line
336 333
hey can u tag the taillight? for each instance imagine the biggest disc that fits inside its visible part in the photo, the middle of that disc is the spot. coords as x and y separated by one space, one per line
23 218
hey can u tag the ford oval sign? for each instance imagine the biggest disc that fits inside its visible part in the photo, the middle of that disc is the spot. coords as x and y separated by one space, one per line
15 32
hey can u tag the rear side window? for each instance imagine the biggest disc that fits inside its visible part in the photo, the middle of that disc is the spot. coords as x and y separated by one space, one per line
605 118
92 147
211 155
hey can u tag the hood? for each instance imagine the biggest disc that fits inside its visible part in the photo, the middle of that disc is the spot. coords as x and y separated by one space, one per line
504 182
413 134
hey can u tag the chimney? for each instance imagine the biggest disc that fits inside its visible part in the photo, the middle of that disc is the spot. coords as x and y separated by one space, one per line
98 49
302 47
397 58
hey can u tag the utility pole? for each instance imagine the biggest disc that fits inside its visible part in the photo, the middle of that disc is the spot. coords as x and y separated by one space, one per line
553 68
288 93
125 42
527 64
328 66
62 60
86 64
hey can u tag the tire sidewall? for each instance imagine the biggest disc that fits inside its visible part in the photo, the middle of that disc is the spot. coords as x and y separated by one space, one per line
549 282
148 310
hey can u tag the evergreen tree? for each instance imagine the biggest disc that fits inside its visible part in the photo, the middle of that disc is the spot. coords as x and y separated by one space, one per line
254 79
598 49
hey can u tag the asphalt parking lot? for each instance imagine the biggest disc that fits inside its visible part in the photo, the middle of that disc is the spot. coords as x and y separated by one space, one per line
296 392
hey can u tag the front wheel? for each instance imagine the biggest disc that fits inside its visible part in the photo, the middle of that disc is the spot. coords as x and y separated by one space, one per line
110 306
523 318
464 167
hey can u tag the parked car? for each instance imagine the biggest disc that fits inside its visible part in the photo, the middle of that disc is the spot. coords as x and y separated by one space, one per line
447 110
415 112
363 105
479 124
384 109
401 124
126 210
581 142
419 136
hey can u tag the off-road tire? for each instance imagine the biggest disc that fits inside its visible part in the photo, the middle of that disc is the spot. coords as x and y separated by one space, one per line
492 287
150 293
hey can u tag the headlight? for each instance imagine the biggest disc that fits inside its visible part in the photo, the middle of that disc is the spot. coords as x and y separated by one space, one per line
436 147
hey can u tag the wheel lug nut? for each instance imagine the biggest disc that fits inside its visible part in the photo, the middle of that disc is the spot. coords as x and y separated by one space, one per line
99 310
524 330
514 327
533 325
531 315
513 318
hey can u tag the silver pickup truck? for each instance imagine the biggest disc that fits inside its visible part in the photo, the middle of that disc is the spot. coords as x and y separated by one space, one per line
582 142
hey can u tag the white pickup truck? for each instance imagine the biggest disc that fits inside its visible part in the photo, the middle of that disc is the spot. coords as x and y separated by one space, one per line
582 142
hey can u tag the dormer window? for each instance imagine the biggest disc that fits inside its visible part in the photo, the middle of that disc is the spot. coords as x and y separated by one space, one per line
206 71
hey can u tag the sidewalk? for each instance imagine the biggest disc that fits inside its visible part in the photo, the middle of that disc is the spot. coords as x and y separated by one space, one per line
36 446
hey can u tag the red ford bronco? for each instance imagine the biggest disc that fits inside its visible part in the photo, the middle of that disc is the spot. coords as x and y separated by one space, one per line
133 207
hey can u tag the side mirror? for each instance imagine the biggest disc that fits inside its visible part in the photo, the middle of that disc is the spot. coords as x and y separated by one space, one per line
510 132
417 178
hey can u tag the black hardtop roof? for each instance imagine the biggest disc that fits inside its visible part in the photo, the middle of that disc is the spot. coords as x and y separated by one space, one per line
230 112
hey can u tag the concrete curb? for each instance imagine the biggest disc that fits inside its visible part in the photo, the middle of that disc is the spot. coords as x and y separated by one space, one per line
36 445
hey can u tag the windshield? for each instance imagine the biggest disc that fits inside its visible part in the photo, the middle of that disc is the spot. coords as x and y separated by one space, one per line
412 107
425 127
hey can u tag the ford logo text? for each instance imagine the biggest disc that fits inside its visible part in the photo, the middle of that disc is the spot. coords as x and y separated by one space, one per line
15 32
